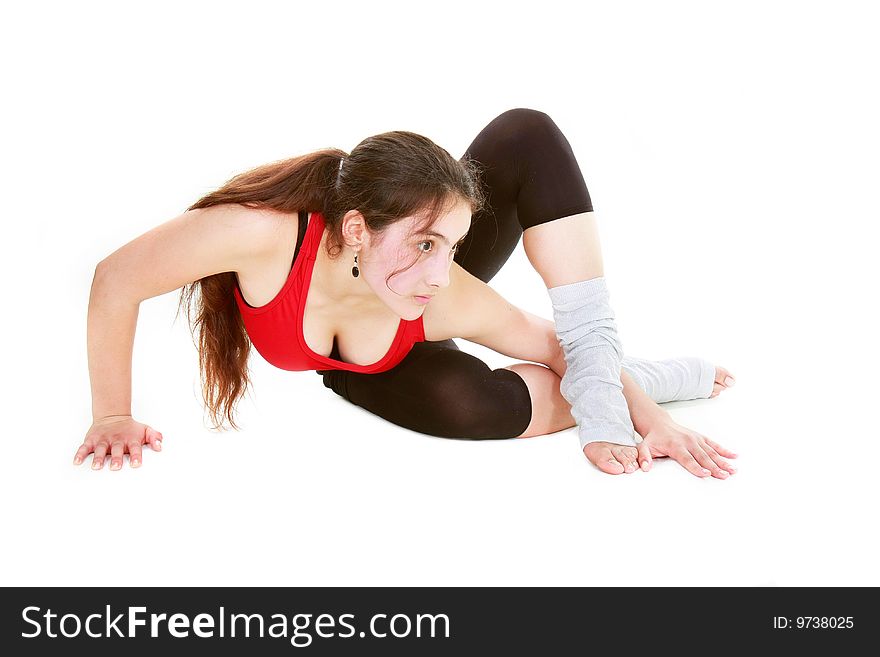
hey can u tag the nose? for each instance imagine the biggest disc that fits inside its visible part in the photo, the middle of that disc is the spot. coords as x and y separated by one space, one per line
438 274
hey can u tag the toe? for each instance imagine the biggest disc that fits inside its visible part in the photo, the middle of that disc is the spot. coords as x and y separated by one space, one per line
600 455
611 466
627 456
723 377
612 458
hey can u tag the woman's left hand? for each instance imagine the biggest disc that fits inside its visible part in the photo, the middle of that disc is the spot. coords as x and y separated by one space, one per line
696 453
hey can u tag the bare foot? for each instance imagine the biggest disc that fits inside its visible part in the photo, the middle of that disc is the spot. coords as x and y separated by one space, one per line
723 381
612 458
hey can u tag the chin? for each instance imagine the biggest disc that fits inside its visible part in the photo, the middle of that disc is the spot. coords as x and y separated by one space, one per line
414 314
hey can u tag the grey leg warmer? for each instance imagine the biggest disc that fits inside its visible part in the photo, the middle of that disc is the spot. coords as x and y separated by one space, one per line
593 352
672 379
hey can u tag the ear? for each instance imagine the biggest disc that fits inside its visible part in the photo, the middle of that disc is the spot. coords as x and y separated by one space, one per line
354 230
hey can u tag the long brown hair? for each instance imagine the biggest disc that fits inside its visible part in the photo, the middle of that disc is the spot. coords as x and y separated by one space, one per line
387 177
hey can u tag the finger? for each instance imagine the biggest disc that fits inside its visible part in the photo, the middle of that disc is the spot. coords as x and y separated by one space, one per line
154 438
715 456
117 449
689 463
644 456
706 461
135 453
100 453
84 450
716 390
718 448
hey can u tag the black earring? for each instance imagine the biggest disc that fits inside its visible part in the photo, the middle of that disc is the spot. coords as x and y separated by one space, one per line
354 270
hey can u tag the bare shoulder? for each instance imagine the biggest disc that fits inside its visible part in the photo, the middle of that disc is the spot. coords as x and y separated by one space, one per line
196 244
263 225
266 231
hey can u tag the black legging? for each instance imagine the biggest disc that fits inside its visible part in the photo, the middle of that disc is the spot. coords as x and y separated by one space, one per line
531 176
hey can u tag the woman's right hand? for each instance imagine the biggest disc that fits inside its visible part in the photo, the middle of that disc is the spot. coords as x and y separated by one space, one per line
118 434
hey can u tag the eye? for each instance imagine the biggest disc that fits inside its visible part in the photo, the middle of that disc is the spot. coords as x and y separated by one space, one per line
429 242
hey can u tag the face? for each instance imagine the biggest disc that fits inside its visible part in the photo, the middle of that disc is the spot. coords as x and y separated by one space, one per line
432 253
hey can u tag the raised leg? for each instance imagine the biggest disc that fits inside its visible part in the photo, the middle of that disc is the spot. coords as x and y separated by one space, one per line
555 211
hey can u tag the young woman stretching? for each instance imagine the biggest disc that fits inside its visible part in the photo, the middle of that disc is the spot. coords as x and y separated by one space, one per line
365 266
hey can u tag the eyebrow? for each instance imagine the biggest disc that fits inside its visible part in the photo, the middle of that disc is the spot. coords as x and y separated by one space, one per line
443 237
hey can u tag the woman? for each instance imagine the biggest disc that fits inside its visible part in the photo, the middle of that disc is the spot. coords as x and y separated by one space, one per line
364 267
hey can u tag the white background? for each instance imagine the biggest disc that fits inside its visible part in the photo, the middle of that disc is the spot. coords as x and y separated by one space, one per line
731 151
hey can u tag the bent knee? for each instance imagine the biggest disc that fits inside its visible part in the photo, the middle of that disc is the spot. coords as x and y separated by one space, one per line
500 408
524 131
524 116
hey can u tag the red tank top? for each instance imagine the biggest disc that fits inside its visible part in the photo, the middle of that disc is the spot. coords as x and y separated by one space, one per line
275 329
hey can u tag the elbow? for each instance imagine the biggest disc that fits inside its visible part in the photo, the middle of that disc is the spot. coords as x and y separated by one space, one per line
104 264
107 286
102 273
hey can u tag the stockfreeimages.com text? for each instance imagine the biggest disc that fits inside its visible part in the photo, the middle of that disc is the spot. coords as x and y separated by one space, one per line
206 626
